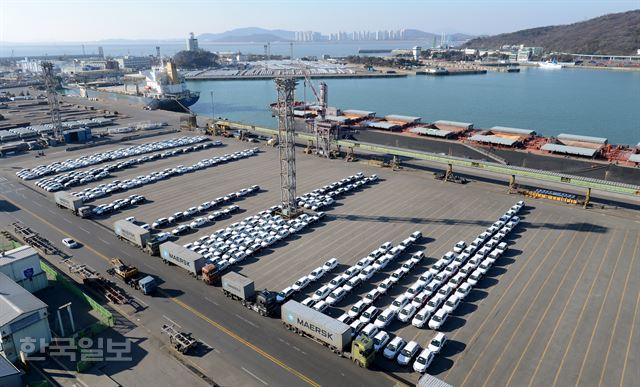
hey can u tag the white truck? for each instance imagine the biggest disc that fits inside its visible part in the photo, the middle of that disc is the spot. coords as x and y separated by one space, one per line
65 200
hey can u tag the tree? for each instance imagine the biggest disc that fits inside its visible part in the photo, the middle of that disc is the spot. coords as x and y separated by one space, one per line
196 59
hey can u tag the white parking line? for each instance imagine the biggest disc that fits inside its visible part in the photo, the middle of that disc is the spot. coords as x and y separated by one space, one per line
66 220
37 204
171 321
247 321
216 350
252 374
51 212
84 230
103 241
211 301
205 343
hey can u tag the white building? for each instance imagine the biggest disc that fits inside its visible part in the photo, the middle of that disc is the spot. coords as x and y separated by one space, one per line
192 42
22 265
134 62
22 316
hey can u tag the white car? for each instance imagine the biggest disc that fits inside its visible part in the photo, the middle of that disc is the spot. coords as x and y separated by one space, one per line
370 297
370 330
406 313
394 347
321 293
414 290
284 294
425 277
434 303
451 304
423 361
335 296
463 290
356 309
475 277
316 274
399 303
420 299
70 243
321 306
408 352
380 340
357 326
384 318
438 319
300 284
367 273
131 219
459 247
352 284
330 265
384 286
369 314
437 343
421 318
309 302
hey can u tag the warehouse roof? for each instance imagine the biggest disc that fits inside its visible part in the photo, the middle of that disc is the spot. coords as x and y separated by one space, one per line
381 125
431 132
570 150
493 140
341 119
574 137
396 117
635 158
15 301
504 129
467 125
356 112
16 254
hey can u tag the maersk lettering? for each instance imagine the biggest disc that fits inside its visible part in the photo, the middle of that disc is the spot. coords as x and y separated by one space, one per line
315 329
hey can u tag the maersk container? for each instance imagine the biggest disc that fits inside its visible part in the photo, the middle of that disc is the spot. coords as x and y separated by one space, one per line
321 327
238 285
183 257
134 234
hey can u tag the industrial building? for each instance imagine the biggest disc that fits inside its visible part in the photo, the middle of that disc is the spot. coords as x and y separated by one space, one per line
192 42
22 265
22 315
454 126
10 376
134 62
574 145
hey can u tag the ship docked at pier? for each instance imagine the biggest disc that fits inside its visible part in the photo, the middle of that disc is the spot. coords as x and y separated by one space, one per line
165 90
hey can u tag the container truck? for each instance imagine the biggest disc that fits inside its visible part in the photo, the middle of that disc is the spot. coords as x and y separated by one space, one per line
194 263
74 204
136 235
132 277
329 332
241 288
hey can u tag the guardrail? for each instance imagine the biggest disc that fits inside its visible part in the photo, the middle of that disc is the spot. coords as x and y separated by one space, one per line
507 170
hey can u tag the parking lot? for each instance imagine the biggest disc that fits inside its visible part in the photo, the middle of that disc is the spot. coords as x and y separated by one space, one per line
557 308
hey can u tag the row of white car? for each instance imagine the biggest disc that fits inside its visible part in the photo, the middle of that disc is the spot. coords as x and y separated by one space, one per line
89 194
231 245
100 157
322 197
75 178
203 208
118 205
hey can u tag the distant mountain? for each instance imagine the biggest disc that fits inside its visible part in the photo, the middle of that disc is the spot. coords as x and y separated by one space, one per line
248 34
255 34
616 33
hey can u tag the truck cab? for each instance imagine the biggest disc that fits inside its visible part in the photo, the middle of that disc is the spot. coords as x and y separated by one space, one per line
362 352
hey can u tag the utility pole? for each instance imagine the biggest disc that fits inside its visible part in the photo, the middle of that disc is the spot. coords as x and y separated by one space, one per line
286 131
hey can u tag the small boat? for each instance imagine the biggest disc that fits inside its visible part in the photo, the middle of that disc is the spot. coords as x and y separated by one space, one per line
550 65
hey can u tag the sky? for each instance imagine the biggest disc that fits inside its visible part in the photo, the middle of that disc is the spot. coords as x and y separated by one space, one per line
31 21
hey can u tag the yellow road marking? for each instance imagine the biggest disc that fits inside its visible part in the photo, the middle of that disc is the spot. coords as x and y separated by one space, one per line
615 323
584 307
564 309
526 285
228 332
531 304
633 325
546 310
495 306
604 300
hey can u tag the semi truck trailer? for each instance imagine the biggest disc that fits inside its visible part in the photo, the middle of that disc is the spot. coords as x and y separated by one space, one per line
74 204
329 332
192 262
239 287
136 235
